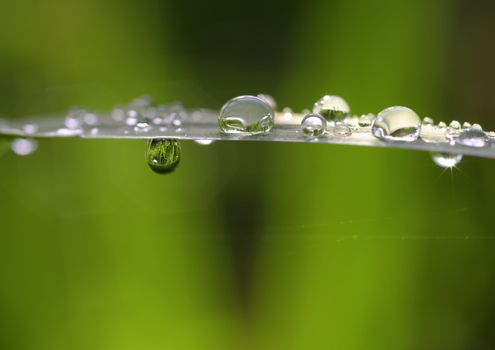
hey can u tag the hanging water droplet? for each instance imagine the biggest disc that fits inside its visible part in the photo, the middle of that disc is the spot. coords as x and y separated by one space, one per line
472 138
246 115
397 124
163 155
24 147
204 142
446 160
366 120
269 99
313 124
333 108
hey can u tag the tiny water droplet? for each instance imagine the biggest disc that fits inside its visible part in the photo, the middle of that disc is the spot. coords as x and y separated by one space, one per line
431 133
446 160
24 147
366 120
118 113
472 138
341 130
454 124
269 99
466 125
204 142
246 115
287 113
30 128
476 126
397 124
313 124
427 121
442 125
331 107
163 155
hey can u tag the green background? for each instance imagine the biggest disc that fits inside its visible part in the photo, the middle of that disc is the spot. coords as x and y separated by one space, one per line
246 245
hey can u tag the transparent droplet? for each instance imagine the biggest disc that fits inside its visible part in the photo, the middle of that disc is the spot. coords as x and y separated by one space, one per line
476 126
163 155
333 108
454 124
269 99
472 138
90 118
352 121
431 133
24 147
142 126
446 160
204 142
397 124
118 113
366 120
74 118
246 115
341 130
313 124
30 128
466 125
287 113
427 121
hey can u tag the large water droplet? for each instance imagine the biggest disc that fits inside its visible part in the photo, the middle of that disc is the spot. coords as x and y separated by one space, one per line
246 115
313 124
472 138
397 124
446 160
24 147
163 155
333 108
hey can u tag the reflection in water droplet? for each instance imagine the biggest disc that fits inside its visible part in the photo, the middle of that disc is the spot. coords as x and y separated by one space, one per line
246 115
313 124
333 108
204 142
446 160
24 147
163 155
396 124
472 138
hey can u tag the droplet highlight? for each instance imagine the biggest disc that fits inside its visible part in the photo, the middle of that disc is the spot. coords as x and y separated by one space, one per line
24 147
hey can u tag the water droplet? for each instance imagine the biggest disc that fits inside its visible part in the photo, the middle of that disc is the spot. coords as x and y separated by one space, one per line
142 126
30 128
341 130
118 113
366 120
204 142
466 125
269 99
427 121
396 124
352 121
472 138
431 133
454 124
313 124
476 126
446 160
163 155
90 118
24 147
74 118
246 115
332 108
287 113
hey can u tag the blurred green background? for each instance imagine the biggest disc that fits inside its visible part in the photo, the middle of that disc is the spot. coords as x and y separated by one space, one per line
246 245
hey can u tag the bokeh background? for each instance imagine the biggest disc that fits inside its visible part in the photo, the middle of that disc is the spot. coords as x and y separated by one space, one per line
246 245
